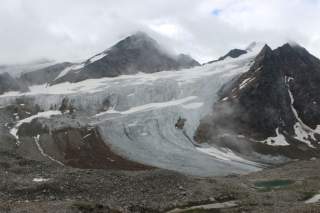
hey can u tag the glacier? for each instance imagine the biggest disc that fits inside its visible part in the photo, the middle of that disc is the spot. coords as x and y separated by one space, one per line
140 123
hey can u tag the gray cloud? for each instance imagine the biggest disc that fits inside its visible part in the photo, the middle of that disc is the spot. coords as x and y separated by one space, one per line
76 29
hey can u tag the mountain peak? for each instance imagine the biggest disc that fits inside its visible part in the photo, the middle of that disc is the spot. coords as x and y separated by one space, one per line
142 37
266 50
141 34
265 54
137 41
136 53
297 48
285 47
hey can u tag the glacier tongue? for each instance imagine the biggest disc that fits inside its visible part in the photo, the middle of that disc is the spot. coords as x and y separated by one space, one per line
140 123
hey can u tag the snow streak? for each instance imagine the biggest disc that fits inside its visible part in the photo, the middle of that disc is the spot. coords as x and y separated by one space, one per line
303 132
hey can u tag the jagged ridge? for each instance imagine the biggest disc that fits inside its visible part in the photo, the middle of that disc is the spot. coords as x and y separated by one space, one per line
279 95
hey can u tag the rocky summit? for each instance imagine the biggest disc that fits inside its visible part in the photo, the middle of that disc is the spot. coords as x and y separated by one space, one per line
273 107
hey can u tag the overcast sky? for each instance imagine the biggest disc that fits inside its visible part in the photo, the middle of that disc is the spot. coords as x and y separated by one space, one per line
76 29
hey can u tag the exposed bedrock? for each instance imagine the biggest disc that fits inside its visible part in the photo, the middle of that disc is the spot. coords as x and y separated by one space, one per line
273 108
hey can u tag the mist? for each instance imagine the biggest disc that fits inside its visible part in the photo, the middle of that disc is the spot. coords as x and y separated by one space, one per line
74 30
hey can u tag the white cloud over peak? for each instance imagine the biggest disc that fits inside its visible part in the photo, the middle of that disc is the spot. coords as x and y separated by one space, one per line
206 29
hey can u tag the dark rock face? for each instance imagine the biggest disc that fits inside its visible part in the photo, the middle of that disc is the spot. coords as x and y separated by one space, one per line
8 83
180 123
84 148
22 108
186 61
136 53
280 90
44 75
234 53
79 147
66 106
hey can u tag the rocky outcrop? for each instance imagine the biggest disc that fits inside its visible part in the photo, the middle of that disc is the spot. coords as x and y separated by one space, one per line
234 53
278 96
66 106
136 53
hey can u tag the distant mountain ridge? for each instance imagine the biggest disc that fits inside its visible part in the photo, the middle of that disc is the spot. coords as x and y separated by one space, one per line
136 53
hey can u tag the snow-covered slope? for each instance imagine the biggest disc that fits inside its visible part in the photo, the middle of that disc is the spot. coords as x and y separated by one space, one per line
141 119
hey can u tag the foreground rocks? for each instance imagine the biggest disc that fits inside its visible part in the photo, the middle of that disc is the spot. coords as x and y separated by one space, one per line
106 182
30 186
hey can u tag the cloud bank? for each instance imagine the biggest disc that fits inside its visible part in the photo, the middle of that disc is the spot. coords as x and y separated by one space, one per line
76 29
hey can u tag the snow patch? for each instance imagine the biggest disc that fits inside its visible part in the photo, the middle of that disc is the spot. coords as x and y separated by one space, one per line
302 131
37 141
46 114
97 57
303 135
39 180
314 199
245 82
278 140
68 69
87 136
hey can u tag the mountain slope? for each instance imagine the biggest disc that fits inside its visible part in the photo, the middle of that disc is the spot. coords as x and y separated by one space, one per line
44 75
275 106
136 53
17 69
8 83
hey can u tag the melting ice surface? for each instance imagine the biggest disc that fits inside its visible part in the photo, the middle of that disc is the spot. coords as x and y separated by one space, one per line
144 108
